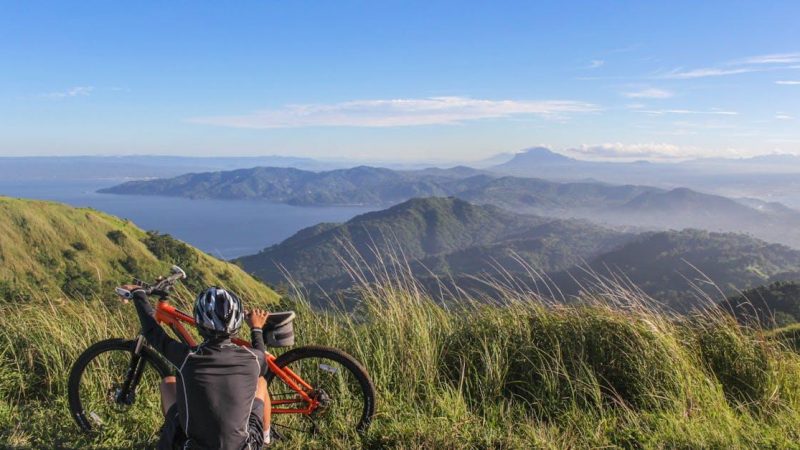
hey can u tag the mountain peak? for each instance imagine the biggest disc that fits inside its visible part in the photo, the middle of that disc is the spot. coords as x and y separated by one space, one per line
538 155
445 205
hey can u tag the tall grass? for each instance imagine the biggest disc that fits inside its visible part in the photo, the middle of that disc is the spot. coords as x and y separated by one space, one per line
522 372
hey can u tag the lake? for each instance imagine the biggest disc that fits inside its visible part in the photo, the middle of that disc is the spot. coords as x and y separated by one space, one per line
223 228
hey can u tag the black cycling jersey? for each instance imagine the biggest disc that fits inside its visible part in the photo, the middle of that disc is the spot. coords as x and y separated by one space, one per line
216 382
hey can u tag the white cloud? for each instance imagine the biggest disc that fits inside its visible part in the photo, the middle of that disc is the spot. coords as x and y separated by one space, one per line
680 74
777 58
788 82
77 91
397 113
618 150
649 93
656 151
717 112
759 63
596 63
781 116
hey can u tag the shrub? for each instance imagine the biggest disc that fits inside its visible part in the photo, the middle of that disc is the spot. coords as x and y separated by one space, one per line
47 260
116 236
69 254
170 250
11 292
738 360
632 361
165 247
78 283
79 246
225 275
557 360
130 265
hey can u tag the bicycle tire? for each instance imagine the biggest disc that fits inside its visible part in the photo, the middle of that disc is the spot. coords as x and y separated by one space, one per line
76 373
347 361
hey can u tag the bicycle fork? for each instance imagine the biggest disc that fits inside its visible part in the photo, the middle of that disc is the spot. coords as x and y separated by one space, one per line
126 394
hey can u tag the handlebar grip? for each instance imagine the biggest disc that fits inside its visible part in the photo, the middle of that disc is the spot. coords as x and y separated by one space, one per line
179 272
124 293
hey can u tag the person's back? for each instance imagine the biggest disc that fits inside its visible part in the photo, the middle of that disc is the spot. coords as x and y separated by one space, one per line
216 390
218 398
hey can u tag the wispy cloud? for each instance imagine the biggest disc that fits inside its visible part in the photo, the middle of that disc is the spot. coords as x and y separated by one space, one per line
77 91
782 116
649 93
680 74
718 112
759 63
775 58
397 113
595 63
651 151
655 151
788 82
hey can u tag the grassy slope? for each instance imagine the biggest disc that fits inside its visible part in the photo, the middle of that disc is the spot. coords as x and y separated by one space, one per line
514 377
65 251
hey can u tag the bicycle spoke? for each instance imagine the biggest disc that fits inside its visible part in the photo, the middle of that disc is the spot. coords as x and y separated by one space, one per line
104 402
336 390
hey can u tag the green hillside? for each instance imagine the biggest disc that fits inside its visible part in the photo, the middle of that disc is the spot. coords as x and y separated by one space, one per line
675 266
50 250
446 236
773 305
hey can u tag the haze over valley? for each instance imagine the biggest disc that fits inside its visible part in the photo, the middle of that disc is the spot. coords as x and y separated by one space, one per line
531 210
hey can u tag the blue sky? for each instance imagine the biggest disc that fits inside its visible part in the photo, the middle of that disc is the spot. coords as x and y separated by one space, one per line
396 80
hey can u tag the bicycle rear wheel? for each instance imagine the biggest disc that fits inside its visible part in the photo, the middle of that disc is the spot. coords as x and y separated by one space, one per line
341 385
101 400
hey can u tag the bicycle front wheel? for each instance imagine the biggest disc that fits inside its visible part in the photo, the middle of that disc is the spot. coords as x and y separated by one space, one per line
337 381
114 390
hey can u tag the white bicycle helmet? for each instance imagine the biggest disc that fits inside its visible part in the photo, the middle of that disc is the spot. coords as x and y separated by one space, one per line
218 312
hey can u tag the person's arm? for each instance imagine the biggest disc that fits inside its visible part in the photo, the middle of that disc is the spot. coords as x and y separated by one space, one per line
256 320
174 351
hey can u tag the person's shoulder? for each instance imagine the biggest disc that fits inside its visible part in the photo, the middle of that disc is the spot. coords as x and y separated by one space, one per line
239 349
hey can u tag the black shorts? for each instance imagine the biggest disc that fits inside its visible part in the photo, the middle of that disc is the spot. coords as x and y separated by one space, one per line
173 438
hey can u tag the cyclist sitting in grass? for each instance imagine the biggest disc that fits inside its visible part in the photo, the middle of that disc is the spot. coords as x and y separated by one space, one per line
219 398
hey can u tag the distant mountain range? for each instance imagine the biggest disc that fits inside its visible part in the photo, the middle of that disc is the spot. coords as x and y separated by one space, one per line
359 185
457 241
612 205
768 177
536 161
772 177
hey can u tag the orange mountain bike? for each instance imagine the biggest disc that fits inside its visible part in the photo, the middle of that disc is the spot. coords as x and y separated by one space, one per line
114 383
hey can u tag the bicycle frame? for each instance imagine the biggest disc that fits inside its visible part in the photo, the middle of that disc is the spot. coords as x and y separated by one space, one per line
175 319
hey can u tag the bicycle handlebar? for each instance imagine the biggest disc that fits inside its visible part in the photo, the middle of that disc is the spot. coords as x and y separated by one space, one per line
160 288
